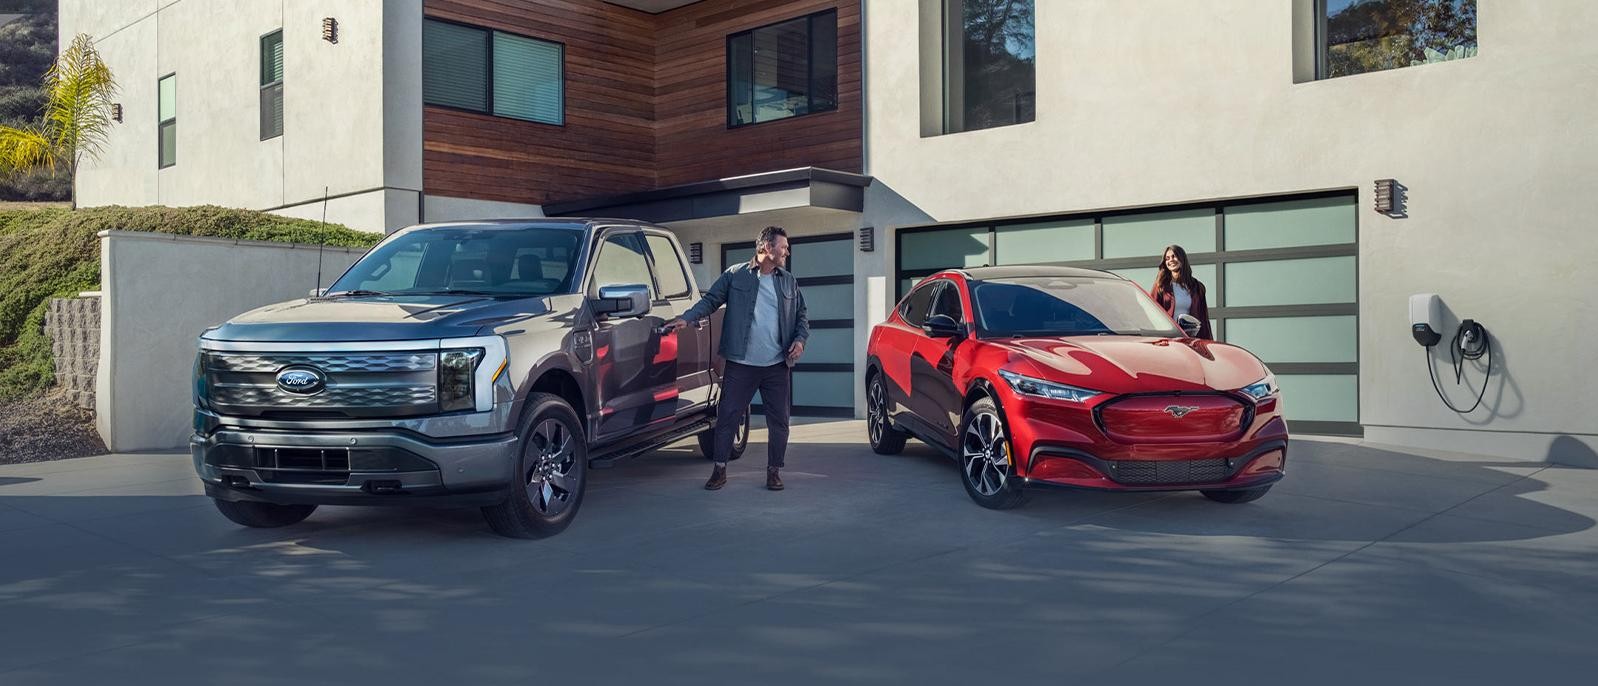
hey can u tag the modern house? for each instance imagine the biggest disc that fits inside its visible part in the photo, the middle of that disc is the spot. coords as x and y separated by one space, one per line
1320 160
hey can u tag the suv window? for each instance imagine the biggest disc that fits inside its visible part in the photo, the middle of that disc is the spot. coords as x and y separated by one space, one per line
622 261
668 266
947 302
914 309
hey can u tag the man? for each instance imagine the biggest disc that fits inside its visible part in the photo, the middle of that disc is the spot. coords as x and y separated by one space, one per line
762 337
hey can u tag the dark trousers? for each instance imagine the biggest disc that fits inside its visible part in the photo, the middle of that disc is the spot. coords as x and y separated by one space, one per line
738 386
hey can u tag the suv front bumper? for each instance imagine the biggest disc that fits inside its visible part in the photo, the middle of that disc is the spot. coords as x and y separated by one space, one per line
353 467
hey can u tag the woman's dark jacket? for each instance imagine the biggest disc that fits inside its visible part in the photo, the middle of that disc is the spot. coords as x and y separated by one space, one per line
1201 309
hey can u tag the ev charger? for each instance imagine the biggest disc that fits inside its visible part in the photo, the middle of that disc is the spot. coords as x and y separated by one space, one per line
1426 318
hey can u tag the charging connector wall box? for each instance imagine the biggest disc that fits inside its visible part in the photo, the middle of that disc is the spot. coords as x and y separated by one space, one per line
1426 318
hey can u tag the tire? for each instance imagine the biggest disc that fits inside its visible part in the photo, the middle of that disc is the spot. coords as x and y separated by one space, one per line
551 473
1245 495
257 515
740 440
986 467
885 440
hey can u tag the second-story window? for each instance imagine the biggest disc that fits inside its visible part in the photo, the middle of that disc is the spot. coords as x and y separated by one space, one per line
493 72
272 85
989 67
783 70
1358 36
167 120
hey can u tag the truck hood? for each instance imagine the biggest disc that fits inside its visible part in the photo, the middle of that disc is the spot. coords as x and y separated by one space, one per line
377 318
1132 364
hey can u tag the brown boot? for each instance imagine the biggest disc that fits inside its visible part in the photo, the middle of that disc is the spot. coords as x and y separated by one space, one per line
718 478
773 482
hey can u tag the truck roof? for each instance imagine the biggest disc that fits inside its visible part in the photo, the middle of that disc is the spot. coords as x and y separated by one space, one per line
572 223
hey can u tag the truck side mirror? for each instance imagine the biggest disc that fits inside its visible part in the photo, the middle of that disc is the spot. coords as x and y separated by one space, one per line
1189 323
622 300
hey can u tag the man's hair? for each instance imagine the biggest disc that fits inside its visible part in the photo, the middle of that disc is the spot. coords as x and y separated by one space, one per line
766 237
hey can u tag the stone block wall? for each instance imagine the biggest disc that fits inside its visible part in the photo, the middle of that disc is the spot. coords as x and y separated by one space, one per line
73 325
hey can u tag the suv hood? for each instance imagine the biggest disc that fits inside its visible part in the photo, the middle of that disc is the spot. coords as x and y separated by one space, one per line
376 318
1134 364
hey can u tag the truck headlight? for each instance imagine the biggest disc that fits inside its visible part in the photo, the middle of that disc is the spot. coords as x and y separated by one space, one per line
467 368
1027 385
455 371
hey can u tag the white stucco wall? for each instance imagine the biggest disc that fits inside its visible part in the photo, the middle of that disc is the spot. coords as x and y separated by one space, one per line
158 293
1164 101
350 127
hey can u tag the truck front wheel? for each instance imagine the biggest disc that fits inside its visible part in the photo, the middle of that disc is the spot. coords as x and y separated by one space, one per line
551 473
263 515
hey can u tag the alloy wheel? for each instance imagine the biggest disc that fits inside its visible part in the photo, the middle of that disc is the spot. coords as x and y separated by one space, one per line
550 478
985 454
876 412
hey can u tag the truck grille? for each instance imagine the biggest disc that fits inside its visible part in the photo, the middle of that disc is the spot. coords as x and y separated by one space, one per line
355 384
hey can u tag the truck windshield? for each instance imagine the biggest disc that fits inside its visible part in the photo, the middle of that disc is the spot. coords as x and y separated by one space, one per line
467 261
1067 306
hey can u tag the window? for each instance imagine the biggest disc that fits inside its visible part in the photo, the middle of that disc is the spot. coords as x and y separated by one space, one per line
496 262
783 70
621 262
989 72
167 118
1358 36
915 307
668 267
272 85
947 302
493 72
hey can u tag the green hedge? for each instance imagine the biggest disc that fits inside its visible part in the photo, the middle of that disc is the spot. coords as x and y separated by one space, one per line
46 253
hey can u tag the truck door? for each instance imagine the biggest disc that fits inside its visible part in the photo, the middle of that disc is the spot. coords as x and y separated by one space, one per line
693 344
635 372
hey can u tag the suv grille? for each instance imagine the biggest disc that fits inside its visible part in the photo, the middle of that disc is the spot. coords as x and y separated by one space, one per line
358 384
1169 472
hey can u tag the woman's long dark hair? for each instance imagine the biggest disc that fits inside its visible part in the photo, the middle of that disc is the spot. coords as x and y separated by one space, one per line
1184 276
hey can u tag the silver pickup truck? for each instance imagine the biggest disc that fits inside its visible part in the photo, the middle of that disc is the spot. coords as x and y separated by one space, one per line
485 364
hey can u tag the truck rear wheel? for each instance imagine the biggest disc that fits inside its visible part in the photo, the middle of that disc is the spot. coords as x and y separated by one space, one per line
263 515
740 440
551 474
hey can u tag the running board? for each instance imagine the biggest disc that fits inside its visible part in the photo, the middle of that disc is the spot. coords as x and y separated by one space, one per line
607 461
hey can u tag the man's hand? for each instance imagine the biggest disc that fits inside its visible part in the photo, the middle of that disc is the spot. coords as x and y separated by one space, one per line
794 351
673 325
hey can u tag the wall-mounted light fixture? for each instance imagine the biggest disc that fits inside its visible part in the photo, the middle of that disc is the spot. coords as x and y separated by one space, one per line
1389 197
868 241
696 253
330 29
116 111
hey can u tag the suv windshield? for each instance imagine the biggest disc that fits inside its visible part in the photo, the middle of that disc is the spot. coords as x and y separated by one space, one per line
466 261
1067 306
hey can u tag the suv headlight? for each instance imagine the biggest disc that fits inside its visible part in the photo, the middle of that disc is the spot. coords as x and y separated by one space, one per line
466 371
1026 385
1262 389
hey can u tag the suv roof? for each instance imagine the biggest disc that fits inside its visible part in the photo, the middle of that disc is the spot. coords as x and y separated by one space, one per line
1021 272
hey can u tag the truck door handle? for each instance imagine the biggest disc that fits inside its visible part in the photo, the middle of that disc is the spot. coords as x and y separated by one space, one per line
701 324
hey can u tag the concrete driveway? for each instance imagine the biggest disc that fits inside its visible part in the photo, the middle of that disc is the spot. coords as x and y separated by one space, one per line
1367 565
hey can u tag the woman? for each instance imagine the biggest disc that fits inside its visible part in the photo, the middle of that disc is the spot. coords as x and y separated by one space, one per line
1178 292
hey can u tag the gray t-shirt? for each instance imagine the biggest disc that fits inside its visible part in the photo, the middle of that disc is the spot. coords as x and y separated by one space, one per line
764 347
1183 298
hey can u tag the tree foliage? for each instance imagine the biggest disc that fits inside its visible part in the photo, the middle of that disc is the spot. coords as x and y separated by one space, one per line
27 48
1372 35
76 117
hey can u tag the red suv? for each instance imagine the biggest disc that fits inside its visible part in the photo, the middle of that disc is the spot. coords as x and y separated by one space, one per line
1070 377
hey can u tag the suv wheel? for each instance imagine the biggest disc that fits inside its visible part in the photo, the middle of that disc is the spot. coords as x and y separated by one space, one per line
551 473
885 440
740 440
1237 496
986 467
263 515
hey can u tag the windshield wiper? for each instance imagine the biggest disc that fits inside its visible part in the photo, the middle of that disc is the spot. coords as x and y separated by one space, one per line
456 291
355 293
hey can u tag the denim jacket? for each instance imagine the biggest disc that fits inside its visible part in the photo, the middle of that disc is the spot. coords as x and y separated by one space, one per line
736 288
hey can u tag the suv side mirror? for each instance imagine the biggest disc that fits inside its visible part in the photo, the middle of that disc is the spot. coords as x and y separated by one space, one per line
623 300
941 326
1189 323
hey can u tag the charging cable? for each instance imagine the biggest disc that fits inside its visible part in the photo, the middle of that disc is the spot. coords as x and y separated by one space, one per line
1470 343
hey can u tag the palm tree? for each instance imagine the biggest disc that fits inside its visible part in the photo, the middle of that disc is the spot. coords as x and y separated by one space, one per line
77 117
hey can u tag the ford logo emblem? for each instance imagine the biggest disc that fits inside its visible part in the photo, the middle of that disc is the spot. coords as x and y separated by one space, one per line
301 380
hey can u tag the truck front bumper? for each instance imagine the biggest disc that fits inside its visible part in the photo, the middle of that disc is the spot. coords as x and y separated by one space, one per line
354 468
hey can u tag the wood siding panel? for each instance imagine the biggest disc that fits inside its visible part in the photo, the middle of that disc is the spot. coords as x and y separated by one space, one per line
645 104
